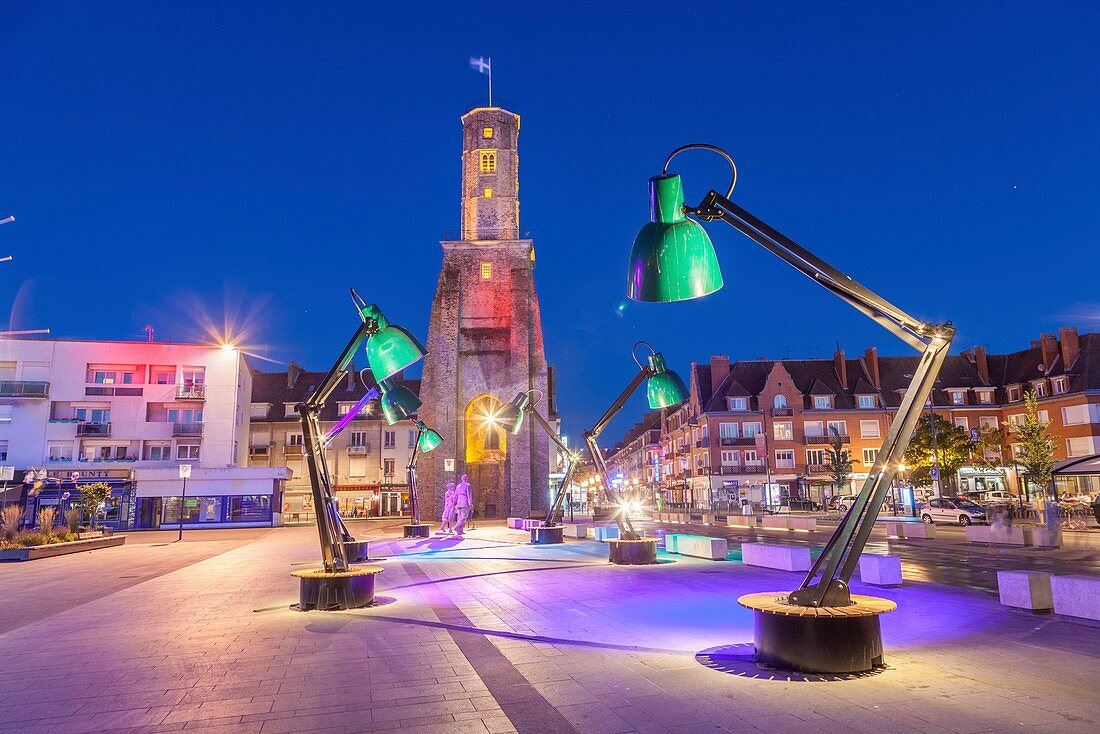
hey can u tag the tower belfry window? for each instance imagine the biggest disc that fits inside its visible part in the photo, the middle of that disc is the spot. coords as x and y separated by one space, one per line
488 162
487 133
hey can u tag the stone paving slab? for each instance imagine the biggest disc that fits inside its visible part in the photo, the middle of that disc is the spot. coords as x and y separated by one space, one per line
490 634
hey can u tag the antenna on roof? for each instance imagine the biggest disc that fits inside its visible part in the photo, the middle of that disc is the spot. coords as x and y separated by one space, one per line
149 331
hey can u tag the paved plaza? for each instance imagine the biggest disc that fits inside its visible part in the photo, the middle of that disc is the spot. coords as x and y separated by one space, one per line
489 634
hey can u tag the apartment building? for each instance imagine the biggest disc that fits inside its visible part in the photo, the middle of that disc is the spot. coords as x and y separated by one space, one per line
129 414
759 429
636 461
367 461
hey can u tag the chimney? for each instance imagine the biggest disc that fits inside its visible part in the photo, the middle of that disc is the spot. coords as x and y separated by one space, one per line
351 377
981 364
292 372
1071 345
1048 343
719 369
841 367
870 358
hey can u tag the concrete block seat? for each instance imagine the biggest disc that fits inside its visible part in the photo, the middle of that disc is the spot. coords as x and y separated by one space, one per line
880 570
697 546
998 535
515 523
528 524
1076 596
909 529
789 522
604 533
772 555
576 531
742 521
1029 590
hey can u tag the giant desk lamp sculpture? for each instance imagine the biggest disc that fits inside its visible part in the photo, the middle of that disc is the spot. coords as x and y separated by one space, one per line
664 389
510 418
426 440
821 626
389 349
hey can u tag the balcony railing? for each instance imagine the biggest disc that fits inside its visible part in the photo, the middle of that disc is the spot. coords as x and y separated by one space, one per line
293 449
844 438
358 450
186 429
190 392
782 411
24 389
735 441
259 450
817 469
732 469
702 443
93 429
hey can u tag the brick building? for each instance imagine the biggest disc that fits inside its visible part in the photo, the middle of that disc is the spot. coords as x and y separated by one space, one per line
760 428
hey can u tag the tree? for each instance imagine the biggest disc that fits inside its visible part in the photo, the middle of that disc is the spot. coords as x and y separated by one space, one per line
1036 445
837 461
91 497
951 450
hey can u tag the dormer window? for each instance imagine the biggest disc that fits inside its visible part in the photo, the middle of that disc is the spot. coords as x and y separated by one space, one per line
985 396
958 397
823 402
866 401
1040 388
739 403
1059 385
1013 393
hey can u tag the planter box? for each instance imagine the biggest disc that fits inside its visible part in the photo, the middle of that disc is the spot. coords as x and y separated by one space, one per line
1025 590
60 549
515 523
998 535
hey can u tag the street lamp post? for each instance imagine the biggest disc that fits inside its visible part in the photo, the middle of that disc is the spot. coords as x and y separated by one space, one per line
185 472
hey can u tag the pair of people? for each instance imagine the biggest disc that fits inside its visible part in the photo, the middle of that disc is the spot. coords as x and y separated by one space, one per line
457 500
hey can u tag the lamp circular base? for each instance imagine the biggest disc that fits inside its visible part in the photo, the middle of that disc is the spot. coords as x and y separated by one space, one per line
816 639
416 530
632 552
547 535
355 551
331 591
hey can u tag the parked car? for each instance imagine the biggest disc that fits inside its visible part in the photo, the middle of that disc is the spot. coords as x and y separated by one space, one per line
944 509
842 503
997 496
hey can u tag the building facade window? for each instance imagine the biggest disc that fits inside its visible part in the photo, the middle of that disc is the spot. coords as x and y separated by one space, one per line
838 428
1013 393
989 421
486 133
357 438
1040 389
751 430
869 456
815 457
294 439
813 428
488 162
486 271
187 451
985 397
1079 446
389 439
1073 415
1059 385
784 459
822 402
729 458
727 430
487 193
739 403
751 459
869 429
779 402
783 430
866 401
958 397
963 423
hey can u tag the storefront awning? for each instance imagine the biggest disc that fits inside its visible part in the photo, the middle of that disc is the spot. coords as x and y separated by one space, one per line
1078 466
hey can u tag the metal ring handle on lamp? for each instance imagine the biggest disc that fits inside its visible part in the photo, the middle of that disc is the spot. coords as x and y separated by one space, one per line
703 213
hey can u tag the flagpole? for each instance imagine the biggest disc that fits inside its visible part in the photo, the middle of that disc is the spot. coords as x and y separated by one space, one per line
490 81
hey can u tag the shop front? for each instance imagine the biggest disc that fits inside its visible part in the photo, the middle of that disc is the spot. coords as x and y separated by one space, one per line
60 489
362 501
212 498
975 480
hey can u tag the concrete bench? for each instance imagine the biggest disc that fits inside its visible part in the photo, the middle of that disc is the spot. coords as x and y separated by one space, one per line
605 533
879 570
742 521
769 555
1046 538
998 535
789 522
1076 596
528 524
698 546
515 523
909 530
1025 590
576 531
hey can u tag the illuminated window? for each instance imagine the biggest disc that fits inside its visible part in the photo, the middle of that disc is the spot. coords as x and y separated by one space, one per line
488 162
486 271
488 193
487 133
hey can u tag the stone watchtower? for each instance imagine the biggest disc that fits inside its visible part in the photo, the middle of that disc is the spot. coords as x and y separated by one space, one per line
485 337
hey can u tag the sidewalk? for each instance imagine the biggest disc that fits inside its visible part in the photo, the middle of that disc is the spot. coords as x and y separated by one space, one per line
488 634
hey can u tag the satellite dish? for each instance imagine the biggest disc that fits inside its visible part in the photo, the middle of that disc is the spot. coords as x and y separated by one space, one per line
1041 368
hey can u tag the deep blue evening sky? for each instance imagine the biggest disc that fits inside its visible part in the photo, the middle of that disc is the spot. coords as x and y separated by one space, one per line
170 163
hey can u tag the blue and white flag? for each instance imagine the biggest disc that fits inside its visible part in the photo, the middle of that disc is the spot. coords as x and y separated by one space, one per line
482 65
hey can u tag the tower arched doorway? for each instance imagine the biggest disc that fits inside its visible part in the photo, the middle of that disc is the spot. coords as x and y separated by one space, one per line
486 455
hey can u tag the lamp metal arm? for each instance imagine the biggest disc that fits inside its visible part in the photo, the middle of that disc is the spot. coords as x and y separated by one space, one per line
555 506
410 478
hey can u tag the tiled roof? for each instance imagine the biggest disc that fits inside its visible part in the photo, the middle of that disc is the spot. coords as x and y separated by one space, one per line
271 387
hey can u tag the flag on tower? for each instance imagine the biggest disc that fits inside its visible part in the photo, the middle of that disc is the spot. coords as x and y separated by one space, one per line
484 65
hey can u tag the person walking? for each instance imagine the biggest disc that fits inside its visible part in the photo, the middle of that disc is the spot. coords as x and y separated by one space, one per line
448 509
463 502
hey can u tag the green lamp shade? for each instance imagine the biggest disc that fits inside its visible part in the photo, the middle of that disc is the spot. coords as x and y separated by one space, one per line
391 350
398 401
672 258
429 438
511 416
664 388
